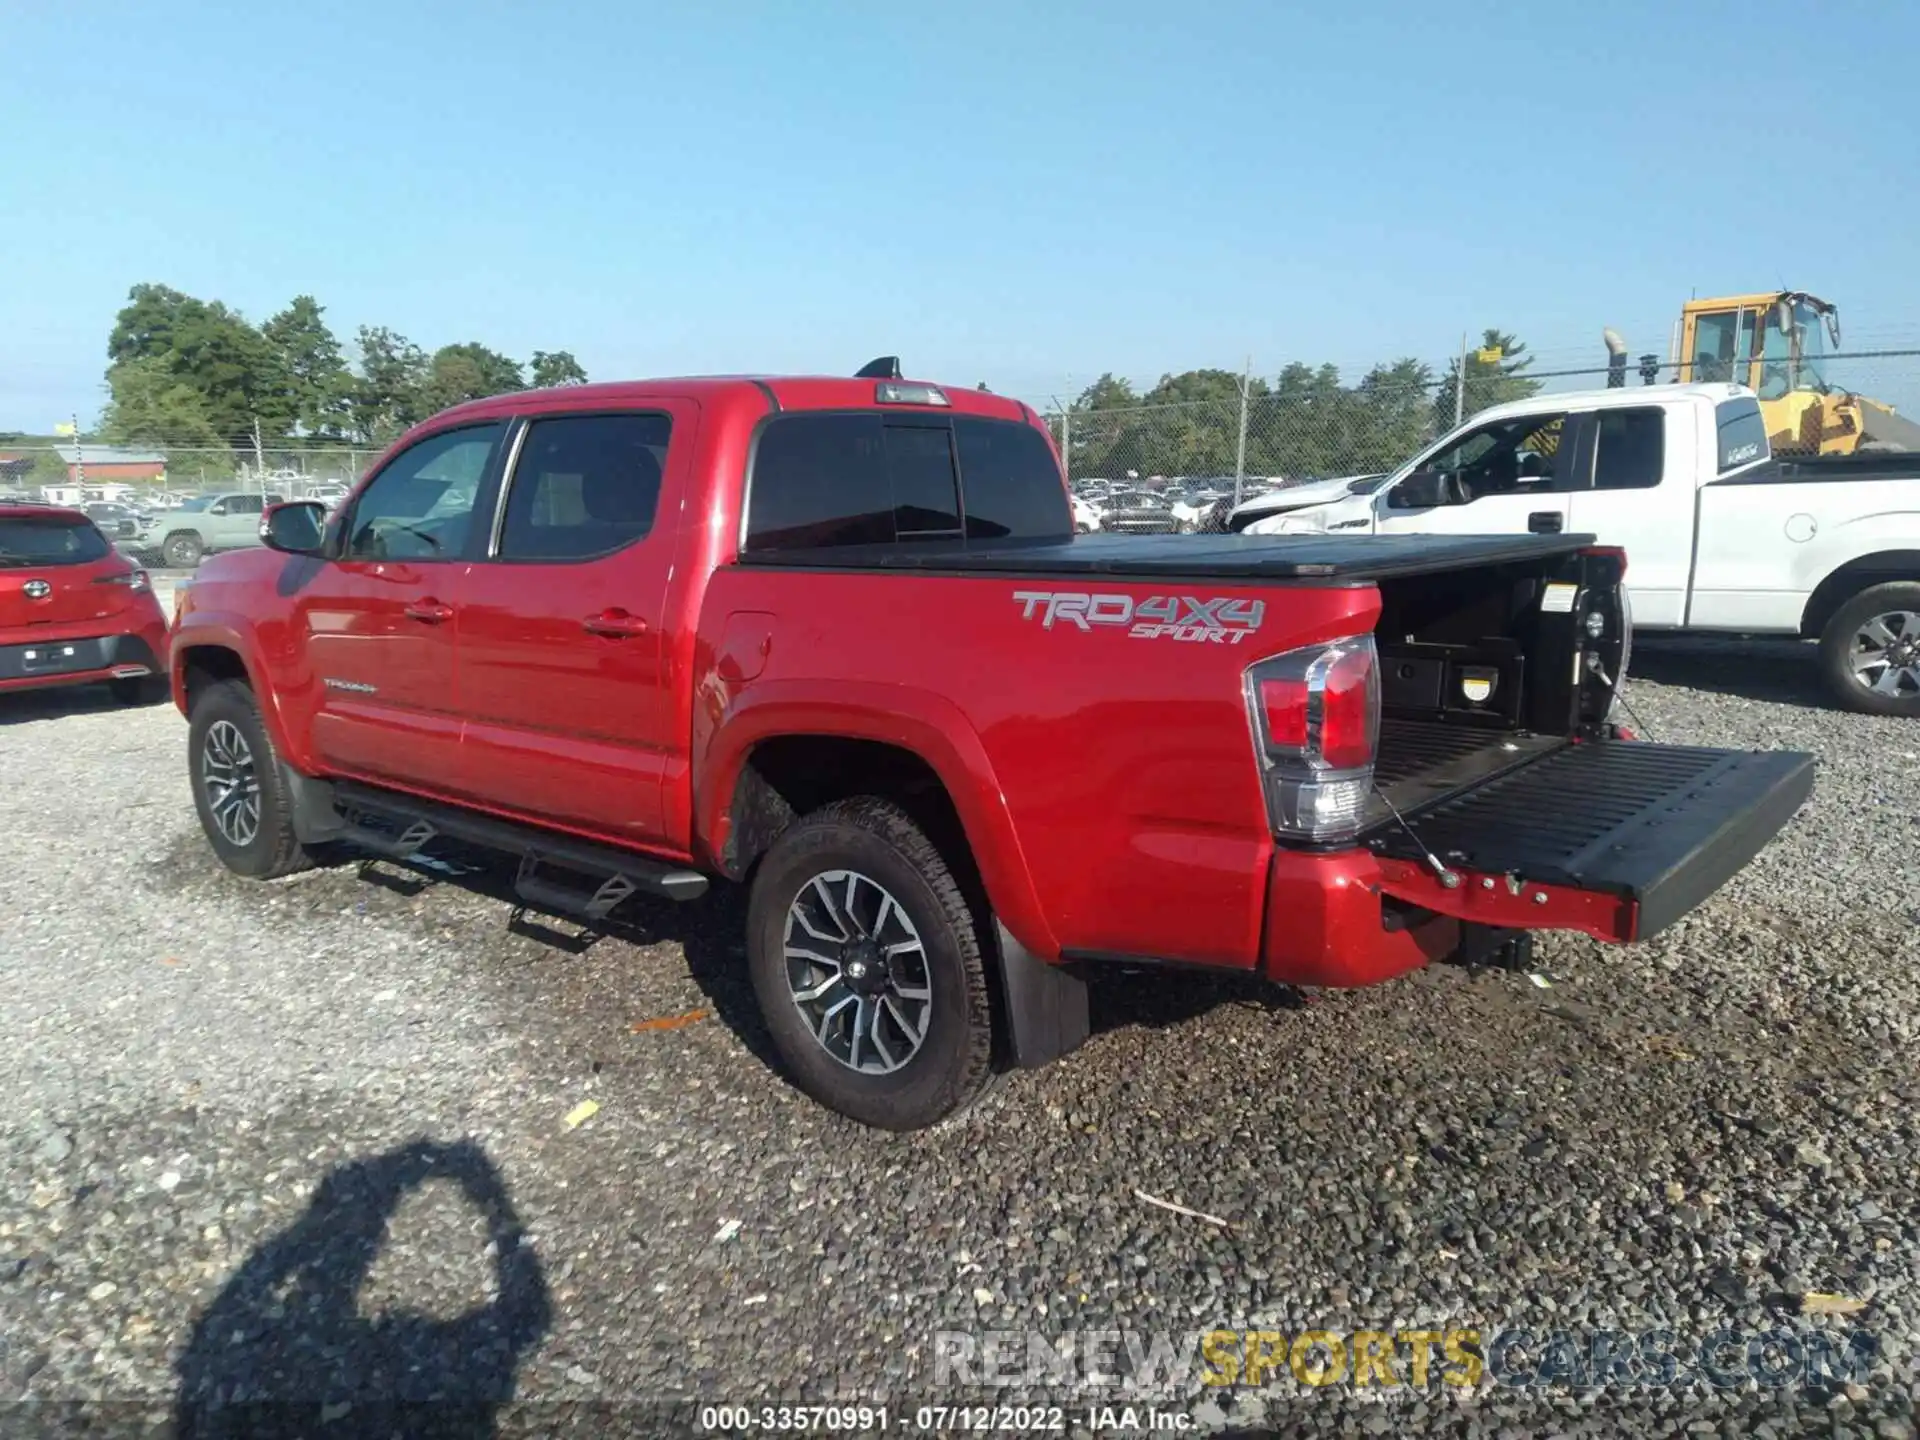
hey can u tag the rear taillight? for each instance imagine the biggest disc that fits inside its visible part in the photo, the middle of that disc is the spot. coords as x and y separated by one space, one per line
135 580
1316 720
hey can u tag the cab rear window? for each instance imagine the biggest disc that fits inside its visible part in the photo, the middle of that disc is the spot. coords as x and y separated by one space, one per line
865 478
49 540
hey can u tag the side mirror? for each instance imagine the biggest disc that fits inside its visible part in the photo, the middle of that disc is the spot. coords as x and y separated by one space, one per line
298 528
1422 490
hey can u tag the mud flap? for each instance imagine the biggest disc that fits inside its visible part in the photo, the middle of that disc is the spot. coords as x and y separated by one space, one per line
315 820
1046 1005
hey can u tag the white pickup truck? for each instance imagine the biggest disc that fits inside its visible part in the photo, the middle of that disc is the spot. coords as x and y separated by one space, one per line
1719 534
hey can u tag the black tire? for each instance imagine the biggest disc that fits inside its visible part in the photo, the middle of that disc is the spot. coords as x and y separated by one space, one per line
953 1065
138 690
1836 652
271 849
182 550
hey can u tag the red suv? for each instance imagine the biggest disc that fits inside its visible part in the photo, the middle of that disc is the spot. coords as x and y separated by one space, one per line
73 610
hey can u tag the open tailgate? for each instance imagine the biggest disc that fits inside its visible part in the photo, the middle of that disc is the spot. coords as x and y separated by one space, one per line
1616 838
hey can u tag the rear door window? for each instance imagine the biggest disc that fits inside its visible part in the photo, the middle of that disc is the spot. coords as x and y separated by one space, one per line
1742 433
584 486
1629 449
1009 481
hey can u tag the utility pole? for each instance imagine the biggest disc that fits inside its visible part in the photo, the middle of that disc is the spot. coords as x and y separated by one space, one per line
1460 385
79 461
1066 437
1240 449
259 460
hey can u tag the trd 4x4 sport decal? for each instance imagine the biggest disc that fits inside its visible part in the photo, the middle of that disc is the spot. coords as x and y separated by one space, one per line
1219 621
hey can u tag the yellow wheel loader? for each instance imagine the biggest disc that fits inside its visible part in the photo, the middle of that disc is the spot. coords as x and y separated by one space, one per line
1777 344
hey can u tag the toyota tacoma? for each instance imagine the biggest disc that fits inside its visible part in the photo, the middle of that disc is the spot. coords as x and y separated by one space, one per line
835 639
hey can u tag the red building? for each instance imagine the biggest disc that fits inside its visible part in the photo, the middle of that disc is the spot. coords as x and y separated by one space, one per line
103 463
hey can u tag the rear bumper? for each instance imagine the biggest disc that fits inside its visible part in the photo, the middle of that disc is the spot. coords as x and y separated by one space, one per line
82 659
1615 840
1328 923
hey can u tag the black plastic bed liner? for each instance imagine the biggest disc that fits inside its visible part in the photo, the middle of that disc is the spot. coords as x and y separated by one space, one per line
1664 825
1210 557
1423 761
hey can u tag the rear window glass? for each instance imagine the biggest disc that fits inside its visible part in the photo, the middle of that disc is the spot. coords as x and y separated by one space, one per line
31 541
1011 483
920 466
821 480
1743 434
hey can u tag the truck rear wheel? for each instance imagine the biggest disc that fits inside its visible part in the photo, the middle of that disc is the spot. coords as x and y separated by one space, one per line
244 806
1870 651
182 550
868 966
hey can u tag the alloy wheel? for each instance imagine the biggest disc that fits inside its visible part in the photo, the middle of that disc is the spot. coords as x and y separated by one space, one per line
858 971
1885 653
232 784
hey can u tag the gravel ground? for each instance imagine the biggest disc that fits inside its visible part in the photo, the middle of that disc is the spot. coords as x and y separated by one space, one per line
307 1141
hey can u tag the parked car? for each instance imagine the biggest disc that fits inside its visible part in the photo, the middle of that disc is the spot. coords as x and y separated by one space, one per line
203 526
960 757
72 610
119 523
1138 512
1720 535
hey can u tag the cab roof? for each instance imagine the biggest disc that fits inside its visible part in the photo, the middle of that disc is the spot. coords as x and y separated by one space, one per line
786 392
44 512
1615 398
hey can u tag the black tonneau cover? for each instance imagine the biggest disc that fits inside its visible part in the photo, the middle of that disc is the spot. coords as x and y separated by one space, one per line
1216 557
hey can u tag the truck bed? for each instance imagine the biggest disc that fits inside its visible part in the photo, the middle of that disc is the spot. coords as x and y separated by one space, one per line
1354 558
1422 762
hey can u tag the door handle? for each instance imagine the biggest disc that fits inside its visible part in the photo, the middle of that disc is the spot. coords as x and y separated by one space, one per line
1545 522
429 611
615 623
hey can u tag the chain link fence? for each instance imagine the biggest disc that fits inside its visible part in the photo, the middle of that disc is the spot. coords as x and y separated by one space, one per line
1309 425
146 475
1323 428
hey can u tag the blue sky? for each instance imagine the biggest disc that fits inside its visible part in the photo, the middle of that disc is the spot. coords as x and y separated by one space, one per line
1026 194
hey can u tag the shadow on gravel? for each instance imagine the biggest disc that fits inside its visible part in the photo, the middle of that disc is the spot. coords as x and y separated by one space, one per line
1156 998
23 706
1782 672
710 931
283 1350
711 935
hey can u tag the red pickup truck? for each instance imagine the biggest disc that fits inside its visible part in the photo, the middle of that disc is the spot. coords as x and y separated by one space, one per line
836 639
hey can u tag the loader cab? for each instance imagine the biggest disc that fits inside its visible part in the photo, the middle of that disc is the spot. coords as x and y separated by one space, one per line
1775 344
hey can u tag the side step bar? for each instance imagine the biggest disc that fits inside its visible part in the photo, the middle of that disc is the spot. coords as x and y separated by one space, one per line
612 875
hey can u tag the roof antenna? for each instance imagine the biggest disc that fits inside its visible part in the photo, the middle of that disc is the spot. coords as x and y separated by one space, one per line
887 367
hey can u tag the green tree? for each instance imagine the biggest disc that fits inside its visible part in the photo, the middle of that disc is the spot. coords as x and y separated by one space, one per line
315 385
390 392
1189 424
1093 437
469 371
210 348
1488 382
556 367
149 404
1398 414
